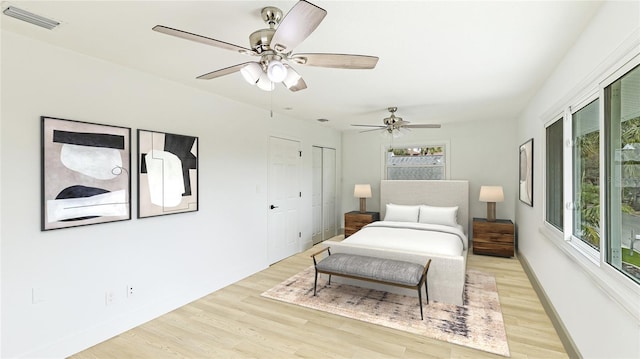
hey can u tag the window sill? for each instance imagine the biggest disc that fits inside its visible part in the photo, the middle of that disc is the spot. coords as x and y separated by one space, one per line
613 284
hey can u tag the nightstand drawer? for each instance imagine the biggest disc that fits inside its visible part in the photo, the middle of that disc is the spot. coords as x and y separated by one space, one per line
494 249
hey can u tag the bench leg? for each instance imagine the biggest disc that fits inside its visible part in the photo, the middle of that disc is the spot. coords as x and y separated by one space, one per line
426 290
420 301
315 283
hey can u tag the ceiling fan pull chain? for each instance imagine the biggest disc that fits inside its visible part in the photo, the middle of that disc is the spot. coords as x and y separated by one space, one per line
271 105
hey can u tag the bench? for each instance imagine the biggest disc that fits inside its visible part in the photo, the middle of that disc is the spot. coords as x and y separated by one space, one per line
373 269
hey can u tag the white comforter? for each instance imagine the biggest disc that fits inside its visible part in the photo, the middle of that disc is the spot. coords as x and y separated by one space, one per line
413 237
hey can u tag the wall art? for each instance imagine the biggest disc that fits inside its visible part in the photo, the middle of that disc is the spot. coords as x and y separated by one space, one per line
526 172
167 173
86 175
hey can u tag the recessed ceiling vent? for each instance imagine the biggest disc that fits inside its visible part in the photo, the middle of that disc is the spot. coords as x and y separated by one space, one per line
30 17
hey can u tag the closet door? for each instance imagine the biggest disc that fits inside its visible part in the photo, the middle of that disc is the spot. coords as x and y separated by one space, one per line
329 194
316 195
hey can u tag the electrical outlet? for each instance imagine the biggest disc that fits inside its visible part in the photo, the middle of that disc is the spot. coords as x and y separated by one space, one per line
130 290
109 297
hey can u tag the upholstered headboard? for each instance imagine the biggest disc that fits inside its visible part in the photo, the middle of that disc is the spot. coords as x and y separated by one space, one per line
432 193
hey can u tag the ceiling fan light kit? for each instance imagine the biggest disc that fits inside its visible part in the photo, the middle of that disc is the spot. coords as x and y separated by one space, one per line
274 46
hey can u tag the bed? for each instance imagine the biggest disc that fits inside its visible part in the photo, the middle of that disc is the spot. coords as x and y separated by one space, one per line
421 220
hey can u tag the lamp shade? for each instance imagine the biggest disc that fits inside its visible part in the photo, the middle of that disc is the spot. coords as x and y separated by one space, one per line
251 72
491 194
276 71
292 78
362 191
264 83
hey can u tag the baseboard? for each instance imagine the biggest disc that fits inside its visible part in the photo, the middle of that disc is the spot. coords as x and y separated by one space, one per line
569 346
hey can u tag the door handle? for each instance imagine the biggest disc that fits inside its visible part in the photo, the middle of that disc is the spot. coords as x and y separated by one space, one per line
273 207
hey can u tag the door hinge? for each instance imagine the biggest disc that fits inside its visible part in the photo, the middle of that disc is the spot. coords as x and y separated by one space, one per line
299 234
300 194
300 152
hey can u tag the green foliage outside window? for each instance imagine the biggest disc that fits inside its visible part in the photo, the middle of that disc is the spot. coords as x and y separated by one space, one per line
589 201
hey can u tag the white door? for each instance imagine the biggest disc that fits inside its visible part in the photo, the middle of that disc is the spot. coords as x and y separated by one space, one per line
284 198
316 195
329 193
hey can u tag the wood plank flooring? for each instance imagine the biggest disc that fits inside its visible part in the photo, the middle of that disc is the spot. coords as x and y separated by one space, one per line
236 322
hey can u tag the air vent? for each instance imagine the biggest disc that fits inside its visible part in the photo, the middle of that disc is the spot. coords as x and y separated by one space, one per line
30 17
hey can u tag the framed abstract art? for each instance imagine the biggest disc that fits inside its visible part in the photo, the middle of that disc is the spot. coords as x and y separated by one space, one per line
526 173
167 173
86 175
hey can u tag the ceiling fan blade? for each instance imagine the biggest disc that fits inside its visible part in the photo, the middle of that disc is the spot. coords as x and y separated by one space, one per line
375 129
338 61
202 39
297 25
424 126
376 126
222 72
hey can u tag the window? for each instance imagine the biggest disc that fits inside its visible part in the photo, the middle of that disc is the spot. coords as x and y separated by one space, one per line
622 145
554 214
586 175
425 162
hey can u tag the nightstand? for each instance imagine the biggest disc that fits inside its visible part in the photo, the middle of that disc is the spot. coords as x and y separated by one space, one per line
355 220
493 238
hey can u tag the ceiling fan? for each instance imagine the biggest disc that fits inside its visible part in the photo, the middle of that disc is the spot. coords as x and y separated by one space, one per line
396 125
274 48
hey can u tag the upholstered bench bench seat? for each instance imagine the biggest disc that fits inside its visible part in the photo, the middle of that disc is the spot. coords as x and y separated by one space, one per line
380 270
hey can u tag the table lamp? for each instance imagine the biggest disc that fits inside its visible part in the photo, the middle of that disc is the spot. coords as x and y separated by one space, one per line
362 191
491 195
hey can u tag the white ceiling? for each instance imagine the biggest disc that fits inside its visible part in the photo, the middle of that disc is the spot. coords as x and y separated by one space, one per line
440 61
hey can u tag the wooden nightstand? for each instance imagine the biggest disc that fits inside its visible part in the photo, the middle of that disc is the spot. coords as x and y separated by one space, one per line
355 220
493 238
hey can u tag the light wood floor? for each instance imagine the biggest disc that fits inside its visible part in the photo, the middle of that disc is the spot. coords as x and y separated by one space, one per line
236 322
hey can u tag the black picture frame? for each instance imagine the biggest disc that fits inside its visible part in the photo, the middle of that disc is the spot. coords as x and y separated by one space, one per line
525 186
86 173
168 173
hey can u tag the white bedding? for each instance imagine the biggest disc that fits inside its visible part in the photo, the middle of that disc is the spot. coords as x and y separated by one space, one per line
419 238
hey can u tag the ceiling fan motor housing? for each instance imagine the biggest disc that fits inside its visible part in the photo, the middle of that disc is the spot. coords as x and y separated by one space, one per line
261 39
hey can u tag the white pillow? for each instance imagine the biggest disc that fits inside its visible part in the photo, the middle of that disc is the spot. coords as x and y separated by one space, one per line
401 213
447 216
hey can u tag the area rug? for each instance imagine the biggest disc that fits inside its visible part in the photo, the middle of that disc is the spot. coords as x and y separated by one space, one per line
477 324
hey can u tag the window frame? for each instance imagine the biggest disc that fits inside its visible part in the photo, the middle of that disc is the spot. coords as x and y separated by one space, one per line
445 144
613 77
570 202
559 117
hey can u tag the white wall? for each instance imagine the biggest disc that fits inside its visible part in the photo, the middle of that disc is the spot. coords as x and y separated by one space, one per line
482 152
588 308
170 260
